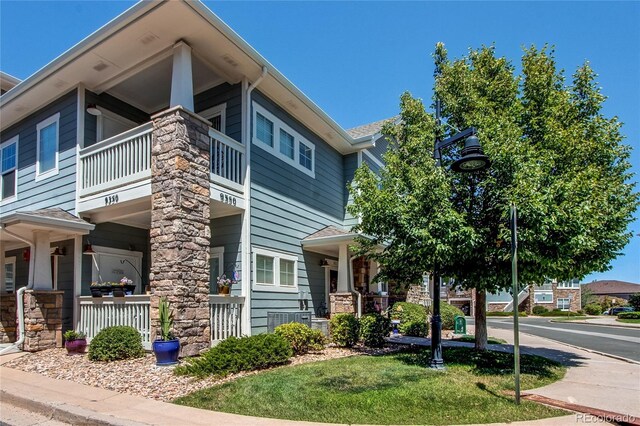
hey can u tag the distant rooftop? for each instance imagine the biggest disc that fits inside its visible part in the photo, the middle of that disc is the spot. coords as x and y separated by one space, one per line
612 287
369 129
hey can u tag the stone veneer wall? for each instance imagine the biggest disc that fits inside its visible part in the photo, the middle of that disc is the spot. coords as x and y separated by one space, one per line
418 294
43 320
8 318
496 307
342 303
180 228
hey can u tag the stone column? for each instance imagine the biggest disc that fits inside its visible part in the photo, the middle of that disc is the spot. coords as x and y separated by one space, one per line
180 227
7 317
42 320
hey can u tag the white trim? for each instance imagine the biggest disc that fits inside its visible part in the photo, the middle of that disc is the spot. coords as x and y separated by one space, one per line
9 261
113 117
332 265
217 252
55 118
275 149
218 110
568 299
110 251
373 158
14 197
77 279
276 287
54 269
80 115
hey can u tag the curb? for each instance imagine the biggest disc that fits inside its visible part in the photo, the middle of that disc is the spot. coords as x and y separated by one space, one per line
630 327
65 413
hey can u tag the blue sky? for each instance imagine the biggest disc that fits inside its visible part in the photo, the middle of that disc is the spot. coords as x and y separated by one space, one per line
354 59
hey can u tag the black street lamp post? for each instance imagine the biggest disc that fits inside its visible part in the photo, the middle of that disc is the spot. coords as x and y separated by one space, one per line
472 159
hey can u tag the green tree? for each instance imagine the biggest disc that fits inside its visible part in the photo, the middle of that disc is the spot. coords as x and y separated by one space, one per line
553 154
634 300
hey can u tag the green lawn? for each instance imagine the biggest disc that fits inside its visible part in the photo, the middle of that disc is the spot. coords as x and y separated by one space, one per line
469 338
629 321
389 389
582 318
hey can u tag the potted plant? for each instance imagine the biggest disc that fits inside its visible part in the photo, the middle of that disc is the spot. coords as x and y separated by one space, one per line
95 288
166 347
75 342
224 285
128 285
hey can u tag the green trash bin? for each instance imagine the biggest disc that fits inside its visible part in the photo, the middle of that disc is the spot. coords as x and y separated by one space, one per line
460 324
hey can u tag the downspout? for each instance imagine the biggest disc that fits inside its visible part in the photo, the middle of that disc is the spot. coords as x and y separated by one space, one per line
246 224
20 292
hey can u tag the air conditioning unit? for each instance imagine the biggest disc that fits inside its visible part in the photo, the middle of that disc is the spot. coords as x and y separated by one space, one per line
274 319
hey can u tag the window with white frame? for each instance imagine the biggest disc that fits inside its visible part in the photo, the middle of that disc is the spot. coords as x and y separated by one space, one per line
564 304
216 115
216 262
9 168
10 273
279 139
110 124
569 284
47 147
274 271
543 297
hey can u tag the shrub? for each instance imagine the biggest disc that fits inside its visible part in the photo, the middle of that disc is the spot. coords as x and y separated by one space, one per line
629 315
634 300
506 314
235 354
344 330
593 309
417 329
408 313
539 310
447 314
71 335
373 329
560 313
301 338
118 342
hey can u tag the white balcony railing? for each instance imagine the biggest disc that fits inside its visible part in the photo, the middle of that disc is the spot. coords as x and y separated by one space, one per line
117 161
97 313
226 317
227 161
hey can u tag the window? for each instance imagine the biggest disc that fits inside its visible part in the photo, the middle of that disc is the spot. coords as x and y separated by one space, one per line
306 156
286 144
8 168
543 297
289 145
273 271
216 262
216 115
9 273
564 304
575 283
264 129
110 124
47 148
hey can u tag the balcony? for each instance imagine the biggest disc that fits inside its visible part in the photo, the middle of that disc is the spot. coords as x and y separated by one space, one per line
118 169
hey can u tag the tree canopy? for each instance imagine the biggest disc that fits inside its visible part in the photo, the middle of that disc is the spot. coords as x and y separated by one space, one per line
553 153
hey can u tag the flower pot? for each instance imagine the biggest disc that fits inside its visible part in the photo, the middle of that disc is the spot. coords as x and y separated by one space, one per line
223 290
96 292
118 291
106 290
129 289
75 347
166 351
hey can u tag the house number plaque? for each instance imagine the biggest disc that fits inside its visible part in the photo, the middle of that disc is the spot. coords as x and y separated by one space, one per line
110 199
228 199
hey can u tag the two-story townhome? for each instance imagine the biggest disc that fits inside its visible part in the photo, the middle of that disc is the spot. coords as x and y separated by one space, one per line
165 150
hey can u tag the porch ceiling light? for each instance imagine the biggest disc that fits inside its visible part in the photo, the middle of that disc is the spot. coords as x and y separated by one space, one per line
93 110
88 250
59 252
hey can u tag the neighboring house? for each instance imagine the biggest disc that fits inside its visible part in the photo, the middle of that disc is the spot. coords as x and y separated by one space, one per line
165 149
617 291
553 294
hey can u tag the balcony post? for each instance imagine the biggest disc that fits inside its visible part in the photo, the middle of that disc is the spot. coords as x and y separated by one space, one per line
181 78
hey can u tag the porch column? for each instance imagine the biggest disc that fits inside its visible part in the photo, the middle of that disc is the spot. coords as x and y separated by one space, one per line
2 277
180 225
344 299
42 261
181 78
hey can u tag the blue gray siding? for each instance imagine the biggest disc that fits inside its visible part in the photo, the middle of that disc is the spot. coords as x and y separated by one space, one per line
114 105
55 191
120 237
287 205
232 96
379 150
226 232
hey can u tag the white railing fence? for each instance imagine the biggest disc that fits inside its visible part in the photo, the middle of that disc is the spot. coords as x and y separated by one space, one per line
521 296
227 159
117 161
225 313
99 313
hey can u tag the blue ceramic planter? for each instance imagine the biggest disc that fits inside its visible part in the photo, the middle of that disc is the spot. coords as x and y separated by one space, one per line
166 351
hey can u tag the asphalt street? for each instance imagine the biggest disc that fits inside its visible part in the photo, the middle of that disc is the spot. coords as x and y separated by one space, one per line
618 341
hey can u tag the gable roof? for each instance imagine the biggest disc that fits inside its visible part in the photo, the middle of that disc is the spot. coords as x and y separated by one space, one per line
612 287
369 129
121 45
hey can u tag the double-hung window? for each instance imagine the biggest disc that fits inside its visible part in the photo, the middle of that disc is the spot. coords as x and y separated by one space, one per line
564 304
274 271
9 168
278 138
47 147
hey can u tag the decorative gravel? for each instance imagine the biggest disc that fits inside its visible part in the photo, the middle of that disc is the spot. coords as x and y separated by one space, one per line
141 377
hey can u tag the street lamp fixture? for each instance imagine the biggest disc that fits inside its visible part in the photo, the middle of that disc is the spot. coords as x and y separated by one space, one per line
472 160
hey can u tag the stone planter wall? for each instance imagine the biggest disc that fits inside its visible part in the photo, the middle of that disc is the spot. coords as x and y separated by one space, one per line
43 320
180 228
8 325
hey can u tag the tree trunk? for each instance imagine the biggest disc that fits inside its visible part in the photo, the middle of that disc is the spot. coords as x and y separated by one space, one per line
481 320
